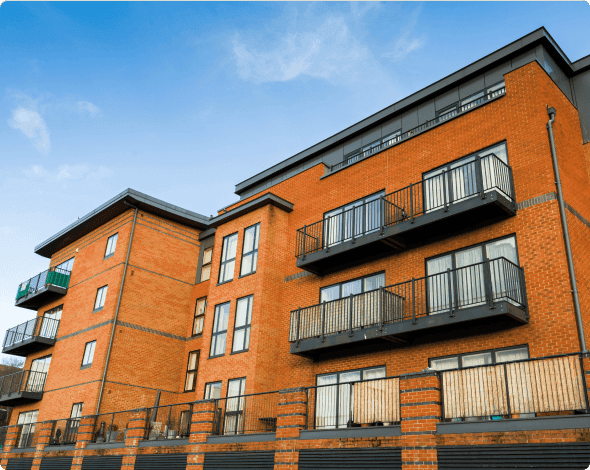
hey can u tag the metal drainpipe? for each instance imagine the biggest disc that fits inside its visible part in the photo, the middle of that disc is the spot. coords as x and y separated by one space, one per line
106 366
566 237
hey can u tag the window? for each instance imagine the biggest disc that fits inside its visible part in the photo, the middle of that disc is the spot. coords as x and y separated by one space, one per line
27 420
366 213
72 424
219 335
469 102
234 407
373 147
468 276
458 180
212 390
200 308
355 286
88 354
206 267
191 371
38 374
228 258
65 266
111 245
250 250
101 295
496 356
242 324
50 322
333 409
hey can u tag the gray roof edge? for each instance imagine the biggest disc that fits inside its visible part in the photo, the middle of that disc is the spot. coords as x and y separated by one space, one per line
266 198
581 65
493 59
131 196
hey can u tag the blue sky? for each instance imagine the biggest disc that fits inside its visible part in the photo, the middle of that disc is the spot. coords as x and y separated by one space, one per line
184 100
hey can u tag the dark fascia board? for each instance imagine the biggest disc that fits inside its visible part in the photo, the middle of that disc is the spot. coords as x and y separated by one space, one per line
112 209
512 425
268 198
539 36
210 232
582 64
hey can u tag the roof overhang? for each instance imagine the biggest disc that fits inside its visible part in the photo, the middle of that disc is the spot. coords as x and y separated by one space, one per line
111 209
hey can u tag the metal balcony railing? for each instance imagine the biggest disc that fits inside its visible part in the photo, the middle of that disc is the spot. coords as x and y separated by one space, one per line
438 192
43 326
53 276
3 434
246 414
169 422
371 402
64 431
111 427
515 389
477 284
23 381
28 435
459 108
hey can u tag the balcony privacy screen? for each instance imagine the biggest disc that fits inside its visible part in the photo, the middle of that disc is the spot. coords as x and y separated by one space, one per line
533 386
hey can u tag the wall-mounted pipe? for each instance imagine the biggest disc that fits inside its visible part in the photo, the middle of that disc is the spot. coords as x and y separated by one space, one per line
106 364
566 236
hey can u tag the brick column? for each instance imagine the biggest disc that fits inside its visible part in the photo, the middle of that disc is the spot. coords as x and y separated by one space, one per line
45 428
202 422
10 442
420 398
291 418
135 433
84 436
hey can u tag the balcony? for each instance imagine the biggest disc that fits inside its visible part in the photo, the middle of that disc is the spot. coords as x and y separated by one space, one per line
470 195
32 336
485 295
43 288
22 387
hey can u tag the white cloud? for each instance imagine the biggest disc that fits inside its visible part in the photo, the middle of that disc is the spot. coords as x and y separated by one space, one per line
88 107
325 49
67 173
407 41
30 123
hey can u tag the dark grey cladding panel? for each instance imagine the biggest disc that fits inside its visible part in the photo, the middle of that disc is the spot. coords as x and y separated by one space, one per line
426 112
497 74
556 74
19 464
582 88
371 136
472 86
336 155
392 125
161 461
446 99
56 463
524 59
409 120
352 145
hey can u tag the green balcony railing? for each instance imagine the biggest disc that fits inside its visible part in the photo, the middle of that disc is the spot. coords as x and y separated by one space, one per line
53 276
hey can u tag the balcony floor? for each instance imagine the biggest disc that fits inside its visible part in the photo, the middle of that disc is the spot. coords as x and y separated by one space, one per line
43 296
20 398
503 315
436 225
29 346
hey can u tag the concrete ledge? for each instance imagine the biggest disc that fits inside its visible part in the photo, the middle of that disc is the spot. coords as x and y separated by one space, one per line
59 448
345 433
521 424
105 445
167 442
259 437
22 450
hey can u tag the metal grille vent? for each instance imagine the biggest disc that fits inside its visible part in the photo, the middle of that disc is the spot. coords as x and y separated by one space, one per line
110 462
239 460
161 461
56 463
351 459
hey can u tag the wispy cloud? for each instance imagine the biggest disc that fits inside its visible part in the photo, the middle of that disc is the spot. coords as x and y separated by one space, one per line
307 46
31 124
88 107
407 40
67 173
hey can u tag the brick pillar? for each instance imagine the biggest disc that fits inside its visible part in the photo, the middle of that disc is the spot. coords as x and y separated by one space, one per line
135 433
420 399
202 422
45 429
10 442
84 436
291 418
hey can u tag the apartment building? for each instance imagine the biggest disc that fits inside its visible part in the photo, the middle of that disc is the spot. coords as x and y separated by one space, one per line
411 292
